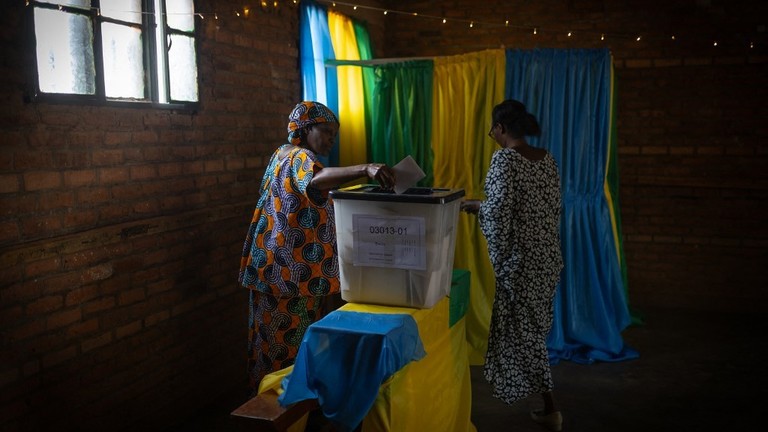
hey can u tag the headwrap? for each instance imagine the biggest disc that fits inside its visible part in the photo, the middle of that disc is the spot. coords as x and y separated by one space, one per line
307 113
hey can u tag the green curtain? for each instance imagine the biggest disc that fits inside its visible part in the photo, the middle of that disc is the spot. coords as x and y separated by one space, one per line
402 118
365 50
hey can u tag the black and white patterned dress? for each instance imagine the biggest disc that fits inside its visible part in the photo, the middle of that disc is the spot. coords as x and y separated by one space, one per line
520 219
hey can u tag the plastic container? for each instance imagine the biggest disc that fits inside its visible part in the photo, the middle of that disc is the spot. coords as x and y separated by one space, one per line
396 249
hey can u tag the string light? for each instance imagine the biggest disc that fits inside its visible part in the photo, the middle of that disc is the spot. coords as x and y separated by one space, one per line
265 5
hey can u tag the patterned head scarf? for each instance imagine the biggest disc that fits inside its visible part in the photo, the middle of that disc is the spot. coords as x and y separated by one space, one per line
306 114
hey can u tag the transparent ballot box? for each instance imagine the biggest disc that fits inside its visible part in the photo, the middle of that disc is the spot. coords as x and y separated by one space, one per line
396 249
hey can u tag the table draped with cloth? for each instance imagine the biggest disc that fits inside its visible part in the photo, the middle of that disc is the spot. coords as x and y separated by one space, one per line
391 368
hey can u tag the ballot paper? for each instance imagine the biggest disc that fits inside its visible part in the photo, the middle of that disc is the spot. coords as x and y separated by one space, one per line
407 174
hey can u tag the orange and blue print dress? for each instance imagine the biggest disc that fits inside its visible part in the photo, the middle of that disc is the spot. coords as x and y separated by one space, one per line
289 261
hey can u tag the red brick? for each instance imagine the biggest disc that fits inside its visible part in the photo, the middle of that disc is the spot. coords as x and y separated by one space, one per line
143 172
44 305
63 318
81 294
113 175
41 225
41 267
9 183
54 358
98 305
41 180
28 330
128 329
108 157
96 342
83 328
9 231
130 296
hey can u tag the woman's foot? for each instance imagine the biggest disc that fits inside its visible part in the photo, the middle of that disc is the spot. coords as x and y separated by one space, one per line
552 421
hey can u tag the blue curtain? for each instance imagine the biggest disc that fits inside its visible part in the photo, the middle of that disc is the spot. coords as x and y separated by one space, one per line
569 92
318 82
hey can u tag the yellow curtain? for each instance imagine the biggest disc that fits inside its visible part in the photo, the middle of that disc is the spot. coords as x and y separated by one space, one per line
352 139
465 89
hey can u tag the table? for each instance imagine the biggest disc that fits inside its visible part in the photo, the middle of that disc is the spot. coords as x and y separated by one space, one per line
430 394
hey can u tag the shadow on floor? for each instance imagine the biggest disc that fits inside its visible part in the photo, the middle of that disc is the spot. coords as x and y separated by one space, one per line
697 371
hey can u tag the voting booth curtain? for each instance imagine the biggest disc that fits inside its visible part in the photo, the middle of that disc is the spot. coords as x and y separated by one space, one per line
438 110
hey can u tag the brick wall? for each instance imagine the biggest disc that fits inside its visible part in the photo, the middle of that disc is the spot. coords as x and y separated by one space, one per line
121 230
691 126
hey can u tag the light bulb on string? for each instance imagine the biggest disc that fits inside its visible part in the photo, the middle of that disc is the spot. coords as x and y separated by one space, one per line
535 30
506 23
445 20
385 12
715 43
751 44
638 38
569 34
602 36
471 24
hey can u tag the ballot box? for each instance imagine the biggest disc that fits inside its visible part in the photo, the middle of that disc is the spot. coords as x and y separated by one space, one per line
396 249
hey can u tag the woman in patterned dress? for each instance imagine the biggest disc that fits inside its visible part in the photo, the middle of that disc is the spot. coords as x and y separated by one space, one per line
520 218
289 261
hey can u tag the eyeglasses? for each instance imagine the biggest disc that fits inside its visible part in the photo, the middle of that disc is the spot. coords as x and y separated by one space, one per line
490 132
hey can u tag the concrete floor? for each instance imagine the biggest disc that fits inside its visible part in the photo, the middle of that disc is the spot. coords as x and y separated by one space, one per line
697 371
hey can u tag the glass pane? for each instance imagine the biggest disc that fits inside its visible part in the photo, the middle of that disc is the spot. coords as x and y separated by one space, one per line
182 66
84 4
180 14
124 10
64 52
123 61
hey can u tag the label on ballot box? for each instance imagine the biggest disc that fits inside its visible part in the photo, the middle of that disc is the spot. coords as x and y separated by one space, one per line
389 241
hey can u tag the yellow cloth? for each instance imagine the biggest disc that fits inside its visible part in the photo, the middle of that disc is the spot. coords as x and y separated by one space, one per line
468 86
432 394
272 383
352 139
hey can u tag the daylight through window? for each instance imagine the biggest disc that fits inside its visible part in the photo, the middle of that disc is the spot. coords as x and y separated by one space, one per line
116 50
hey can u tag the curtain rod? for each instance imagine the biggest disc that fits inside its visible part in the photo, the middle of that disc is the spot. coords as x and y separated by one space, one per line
373 62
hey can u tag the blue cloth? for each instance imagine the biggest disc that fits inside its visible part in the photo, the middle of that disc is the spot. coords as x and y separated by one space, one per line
345 357
569 93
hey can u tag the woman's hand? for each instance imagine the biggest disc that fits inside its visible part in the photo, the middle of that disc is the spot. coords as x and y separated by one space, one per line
470 206
382 174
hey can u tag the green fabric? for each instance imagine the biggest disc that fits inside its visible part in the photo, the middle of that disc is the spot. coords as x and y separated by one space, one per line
612 177
402 123
369 78
459 296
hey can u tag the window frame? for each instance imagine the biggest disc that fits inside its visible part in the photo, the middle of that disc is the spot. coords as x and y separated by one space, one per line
150 48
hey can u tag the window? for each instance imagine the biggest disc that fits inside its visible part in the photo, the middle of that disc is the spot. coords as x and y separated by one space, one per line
115 51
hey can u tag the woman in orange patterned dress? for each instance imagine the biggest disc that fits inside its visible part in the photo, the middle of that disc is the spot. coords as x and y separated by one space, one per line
289 261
